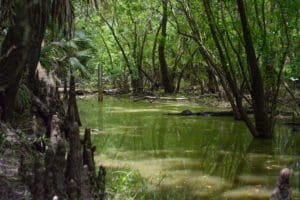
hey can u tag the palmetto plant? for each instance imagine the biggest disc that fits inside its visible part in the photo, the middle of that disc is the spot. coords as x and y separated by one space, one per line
69 56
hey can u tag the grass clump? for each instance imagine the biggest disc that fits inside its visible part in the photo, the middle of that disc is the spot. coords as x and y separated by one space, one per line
126 184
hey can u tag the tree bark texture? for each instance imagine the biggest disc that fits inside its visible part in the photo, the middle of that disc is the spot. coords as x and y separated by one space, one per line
88 151
20 49
74 162
59 168
85 184
262 121
49 178
72 190
168 86
38 28
73 114
100 86
37 188
14 52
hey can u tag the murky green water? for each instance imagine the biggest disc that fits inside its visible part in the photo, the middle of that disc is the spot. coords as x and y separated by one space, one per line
197 157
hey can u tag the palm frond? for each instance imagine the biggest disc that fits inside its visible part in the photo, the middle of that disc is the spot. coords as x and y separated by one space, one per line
75 64
60 13
84 54
65 45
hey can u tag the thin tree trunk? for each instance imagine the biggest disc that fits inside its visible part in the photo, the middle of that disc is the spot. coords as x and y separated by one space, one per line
155 70
208 57
228 74
137 79
108 51
179 80
100 86
125 57
211 81
168 86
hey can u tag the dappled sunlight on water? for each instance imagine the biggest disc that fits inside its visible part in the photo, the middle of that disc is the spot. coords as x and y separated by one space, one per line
200 157
171 173
248 193
124 110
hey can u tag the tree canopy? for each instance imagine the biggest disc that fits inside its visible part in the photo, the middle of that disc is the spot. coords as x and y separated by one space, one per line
240 50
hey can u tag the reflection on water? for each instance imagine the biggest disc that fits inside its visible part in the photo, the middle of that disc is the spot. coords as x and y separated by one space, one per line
206 157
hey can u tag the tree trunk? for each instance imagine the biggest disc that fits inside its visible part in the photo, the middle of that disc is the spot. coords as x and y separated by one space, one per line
37 187
179 80
156 75
20 48
73 114
168 86
125 57
211 84
233 94
66 95
74 160
38 28
33 59
262 122
12 65
100 86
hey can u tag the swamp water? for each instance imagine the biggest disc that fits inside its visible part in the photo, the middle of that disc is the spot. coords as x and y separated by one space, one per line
188 157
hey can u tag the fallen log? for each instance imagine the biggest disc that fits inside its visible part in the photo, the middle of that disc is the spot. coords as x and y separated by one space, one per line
207 114
166 98
293 124
218 113
81 92
85 92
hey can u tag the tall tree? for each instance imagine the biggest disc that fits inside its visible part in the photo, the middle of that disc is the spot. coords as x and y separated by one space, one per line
245 64
212 64
167 84
262 121
130 34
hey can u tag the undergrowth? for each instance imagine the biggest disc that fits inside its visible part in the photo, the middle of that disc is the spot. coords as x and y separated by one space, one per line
126 184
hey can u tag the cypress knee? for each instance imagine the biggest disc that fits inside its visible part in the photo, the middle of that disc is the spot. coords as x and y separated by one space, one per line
59 167
37 187
88 151
74 161
85 185
101 182
72 190
282 190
